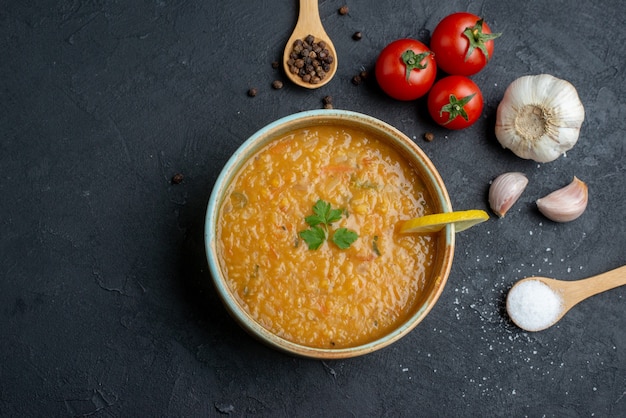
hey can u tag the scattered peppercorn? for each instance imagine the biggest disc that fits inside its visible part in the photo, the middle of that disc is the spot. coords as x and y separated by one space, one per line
364 74
356 80
343 10
277 84
275 64
177 178
357 36
328 100
429 136
310 60
252 92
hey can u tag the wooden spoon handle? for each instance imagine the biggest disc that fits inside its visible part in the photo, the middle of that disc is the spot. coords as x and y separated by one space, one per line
310 11
582 289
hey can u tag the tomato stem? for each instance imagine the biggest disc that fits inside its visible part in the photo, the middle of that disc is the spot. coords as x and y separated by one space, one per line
413 61
455 107
478 39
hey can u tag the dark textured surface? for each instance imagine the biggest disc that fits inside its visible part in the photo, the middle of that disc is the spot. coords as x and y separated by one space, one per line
106 307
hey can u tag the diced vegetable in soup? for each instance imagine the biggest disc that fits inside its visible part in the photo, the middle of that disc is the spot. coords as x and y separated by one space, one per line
328 297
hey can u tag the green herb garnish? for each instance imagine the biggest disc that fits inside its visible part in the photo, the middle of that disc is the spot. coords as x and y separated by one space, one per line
314 237
323 214
319 222
375 245
343 238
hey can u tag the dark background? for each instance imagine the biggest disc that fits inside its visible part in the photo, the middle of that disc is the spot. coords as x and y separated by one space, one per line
106 304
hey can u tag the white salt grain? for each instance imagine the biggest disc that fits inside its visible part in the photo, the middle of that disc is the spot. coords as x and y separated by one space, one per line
533 306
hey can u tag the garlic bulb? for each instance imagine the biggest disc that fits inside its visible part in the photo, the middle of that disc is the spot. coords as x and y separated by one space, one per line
505 190
565 204
539 117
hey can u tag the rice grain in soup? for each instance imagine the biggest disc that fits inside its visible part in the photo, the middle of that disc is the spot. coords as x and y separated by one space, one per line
325 298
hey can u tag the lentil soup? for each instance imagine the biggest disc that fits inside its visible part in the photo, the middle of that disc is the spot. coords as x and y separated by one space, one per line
329 297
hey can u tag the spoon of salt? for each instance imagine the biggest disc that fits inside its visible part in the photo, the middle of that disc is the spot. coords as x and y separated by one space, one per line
310 23
537 303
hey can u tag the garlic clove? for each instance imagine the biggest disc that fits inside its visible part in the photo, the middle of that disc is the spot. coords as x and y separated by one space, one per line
565 204
505 190
539 117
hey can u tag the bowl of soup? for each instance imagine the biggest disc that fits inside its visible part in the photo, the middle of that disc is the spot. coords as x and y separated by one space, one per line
302 235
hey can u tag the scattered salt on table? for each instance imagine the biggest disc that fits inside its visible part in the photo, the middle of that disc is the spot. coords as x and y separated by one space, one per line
533 306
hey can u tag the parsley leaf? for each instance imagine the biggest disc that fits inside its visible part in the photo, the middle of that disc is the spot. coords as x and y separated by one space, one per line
323 216
314 237
344 238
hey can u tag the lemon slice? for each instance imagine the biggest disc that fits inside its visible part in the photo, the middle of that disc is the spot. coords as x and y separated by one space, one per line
462 220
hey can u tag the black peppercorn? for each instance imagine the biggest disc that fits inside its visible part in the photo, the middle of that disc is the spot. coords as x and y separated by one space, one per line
343 10
177 178
277 84
252 92
357 36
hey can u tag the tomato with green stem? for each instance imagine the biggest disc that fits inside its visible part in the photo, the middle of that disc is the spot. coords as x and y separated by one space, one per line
455 102
406 69
462 43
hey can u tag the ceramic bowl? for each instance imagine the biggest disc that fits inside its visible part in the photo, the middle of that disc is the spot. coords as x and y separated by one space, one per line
382 130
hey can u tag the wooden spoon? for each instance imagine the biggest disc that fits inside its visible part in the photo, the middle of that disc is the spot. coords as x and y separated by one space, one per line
309 23
570 293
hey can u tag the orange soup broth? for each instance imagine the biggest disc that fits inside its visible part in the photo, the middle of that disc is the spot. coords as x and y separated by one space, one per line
326 298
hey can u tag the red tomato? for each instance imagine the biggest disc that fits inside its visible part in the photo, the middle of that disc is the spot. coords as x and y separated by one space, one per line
455 102
406 69
462 43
